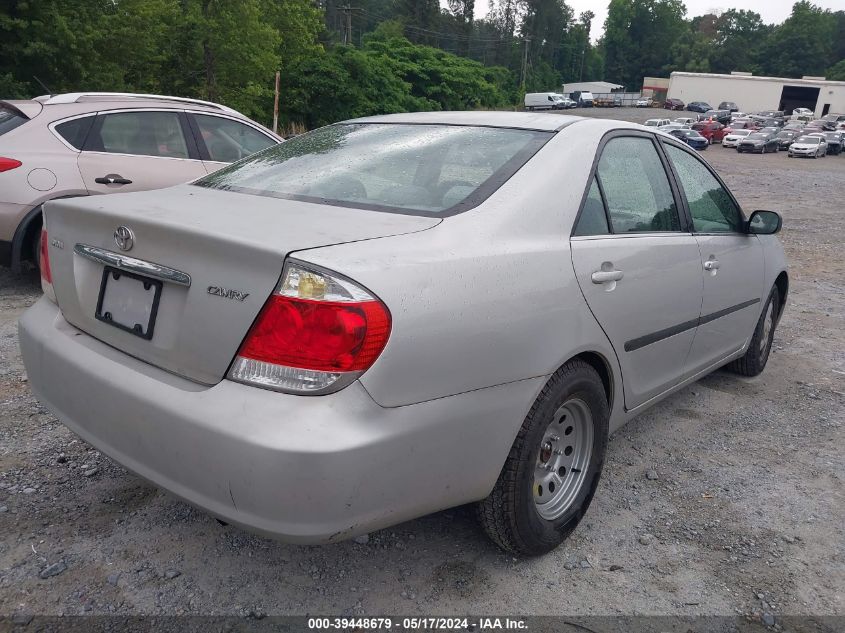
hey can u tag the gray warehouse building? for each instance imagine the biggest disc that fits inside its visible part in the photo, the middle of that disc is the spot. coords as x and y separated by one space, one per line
753 94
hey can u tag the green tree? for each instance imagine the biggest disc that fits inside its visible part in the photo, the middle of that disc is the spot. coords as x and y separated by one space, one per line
638 38
837 71
803 44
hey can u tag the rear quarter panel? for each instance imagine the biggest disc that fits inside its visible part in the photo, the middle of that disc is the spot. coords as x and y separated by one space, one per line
488 296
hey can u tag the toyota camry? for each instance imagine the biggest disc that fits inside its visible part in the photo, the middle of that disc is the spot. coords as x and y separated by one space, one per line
391 316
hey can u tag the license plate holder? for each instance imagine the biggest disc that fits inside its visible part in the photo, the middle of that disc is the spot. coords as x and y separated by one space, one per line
128 301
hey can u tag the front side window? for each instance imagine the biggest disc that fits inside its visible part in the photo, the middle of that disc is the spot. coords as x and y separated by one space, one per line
417 169
227 140
711 206
636 189
141 133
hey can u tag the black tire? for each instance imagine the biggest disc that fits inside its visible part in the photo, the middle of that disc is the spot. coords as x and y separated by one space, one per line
510 515
35 250
757 355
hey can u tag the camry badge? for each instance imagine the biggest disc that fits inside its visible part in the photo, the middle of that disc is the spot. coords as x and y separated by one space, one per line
124 238
227 293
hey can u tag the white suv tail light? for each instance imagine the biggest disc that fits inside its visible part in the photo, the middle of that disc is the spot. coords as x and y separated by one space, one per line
316 334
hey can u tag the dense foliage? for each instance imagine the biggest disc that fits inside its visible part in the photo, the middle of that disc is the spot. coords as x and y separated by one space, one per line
339 60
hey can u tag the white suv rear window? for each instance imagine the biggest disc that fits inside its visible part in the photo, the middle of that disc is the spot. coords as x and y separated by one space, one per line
10 119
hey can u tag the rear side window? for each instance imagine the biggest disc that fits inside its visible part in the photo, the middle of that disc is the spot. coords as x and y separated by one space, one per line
636 188
593 220
75 131
140 133
417 169
711 206
10 119
227 140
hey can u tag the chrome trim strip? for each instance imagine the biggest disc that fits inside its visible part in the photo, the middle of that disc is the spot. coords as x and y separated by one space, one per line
139 266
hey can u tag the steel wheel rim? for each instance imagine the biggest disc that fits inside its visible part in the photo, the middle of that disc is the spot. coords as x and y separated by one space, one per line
563 459
768 324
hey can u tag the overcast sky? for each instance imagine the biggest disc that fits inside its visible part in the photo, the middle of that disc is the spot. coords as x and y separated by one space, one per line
772 11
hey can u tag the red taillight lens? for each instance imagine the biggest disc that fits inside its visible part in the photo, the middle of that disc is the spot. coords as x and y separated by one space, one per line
44 259
8 163
323 336
316 334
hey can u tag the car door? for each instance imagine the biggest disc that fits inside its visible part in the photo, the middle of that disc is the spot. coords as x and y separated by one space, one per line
138 150
638 266
223 140
732 264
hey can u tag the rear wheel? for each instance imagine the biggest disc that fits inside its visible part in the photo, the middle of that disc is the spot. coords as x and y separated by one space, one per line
553 468
757 355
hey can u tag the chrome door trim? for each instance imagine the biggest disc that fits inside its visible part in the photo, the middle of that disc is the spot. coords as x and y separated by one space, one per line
138 266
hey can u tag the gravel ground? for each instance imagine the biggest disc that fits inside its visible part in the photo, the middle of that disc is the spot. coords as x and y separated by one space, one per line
727 498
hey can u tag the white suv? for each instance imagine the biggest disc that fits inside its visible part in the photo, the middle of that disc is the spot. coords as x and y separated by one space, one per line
79 144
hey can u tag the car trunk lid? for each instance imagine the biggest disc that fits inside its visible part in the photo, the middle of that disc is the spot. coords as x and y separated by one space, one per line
231 247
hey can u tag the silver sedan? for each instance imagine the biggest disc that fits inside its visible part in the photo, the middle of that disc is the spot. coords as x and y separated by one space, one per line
395 315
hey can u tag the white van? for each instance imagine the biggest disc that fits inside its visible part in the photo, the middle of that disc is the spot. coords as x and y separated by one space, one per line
543 101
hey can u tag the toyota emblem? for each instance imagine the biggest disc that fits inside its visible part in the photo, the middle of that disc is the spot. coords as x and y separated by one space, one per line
124 238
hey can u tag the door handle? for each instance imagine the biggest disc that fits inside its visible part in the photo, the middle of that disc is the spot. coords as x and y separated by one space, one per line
113 179
712 264
604 276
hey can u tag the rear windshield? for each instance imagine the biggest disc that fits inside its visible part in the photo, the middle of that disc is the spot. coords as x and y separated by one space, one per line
10 119
417 169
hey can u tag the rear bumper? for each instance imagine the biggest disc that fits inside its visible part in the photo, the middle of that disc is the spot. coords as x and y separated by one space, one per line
304 469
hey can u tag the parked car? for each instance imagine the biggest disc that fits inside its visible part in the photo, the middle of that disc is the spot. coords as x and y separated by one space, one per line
691 138
711 130
807 145
309 269
729 105
802 112
772 114
758 142
673 104
685 120
699 106
741 124
734 137
645 102
722 116
81 144
584 98
657 122
831 121
544 101
785 138
834 142
820 124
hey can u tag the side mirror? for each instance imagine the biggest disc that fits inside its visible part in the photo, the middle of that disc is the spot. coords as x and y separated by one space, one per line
764 223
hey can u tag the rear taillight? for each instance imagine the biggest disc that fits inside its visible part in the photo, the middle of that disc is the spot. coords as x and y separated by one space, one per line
316 334
44 266
8 163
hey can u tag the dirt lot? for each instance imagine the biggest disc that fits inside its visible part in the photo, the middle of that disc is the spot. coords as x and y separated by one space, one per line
725 499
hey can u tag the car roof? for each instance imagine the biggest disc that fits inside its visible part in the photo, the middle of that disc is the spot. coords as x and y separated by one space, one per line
520 120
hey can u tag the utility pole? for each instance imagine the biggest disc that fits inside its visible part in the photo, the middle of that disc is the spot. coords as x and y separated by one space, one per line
347 27
276 106
524 63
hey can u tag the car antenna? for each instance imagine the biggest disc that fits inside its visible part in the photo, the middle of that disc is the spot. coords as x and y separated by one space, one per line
43 85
